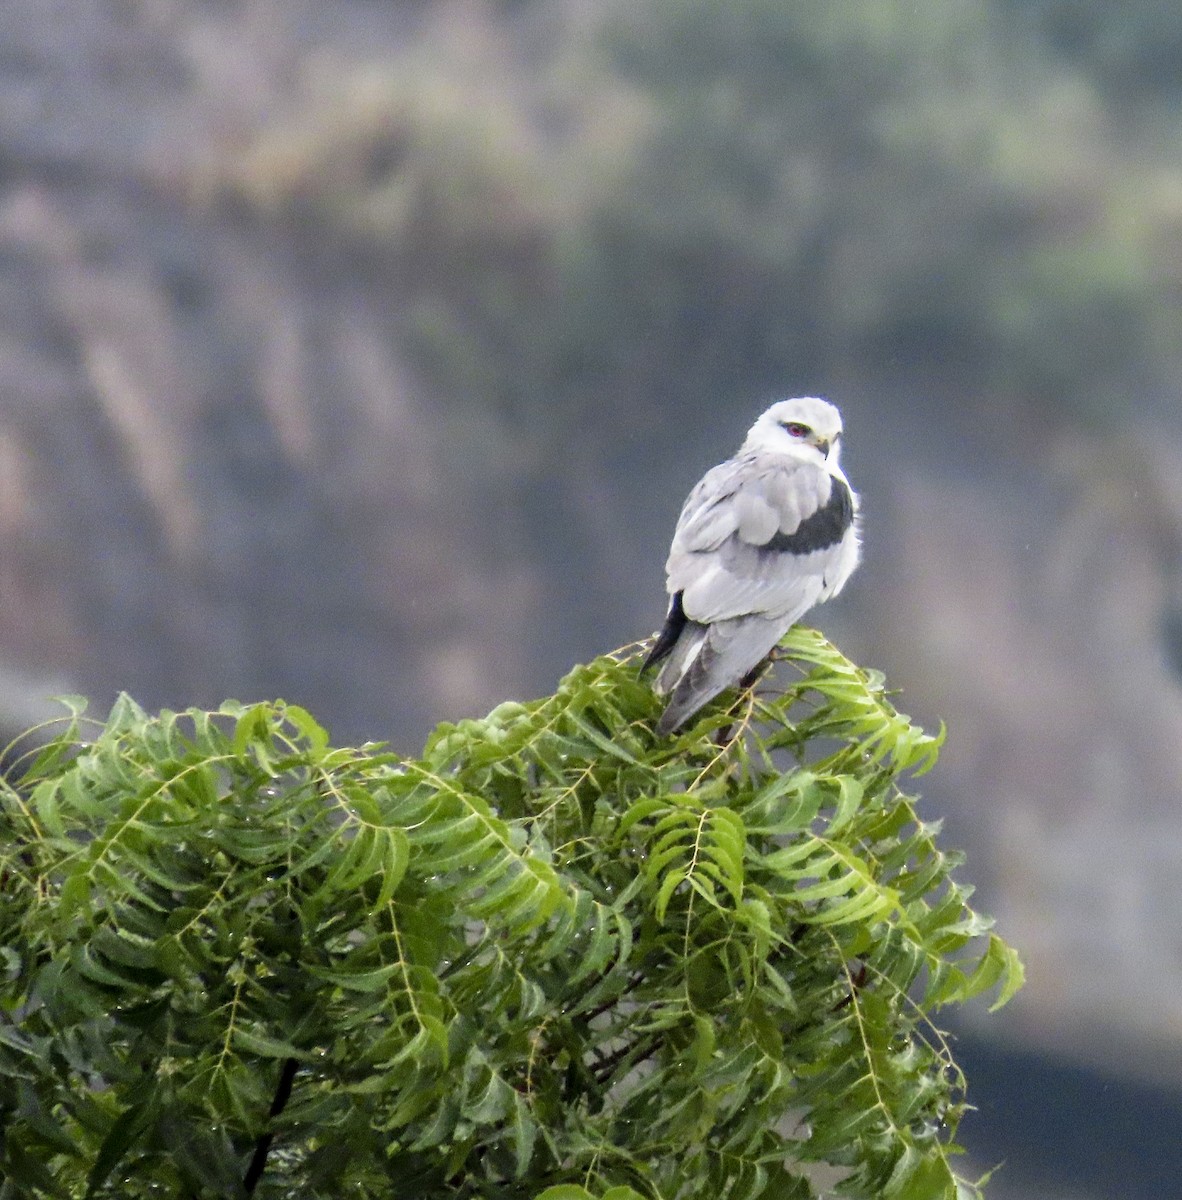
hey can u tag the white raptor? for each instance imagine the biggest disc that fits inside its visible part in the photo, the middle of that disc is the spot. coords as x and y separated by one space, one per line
762 538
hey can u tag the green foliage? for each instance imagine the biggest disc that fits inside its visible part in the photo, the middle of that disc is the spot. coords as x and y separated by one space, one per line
553 958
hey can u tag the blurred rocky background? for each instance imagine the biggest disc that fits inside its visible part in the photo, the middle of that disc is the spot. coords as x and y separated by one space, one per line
361 352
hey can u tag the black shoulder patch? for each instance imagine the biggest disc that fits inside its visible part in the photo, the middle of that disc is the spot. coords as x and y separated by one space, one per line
825 528
674 623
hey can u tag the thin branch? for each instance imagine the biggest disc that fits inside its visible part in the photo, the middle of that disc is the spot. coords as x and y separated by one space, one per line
262 1147
606 1067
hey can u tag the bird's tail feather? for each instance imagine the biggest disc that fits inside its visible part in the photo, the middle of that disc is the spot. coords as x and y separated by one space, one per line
680 656
728 650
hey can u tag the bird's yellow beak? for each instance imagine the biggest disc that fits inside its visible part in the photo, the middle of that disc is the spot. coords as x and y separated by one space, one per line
823 446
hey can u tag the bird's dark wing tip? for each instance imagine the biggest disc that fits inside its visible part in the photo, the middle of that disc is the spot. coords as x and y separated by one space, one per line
675 622
822 529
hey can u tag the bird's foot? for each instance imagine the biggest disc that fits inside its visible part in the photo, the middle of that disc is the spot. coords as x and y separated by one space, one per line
752 677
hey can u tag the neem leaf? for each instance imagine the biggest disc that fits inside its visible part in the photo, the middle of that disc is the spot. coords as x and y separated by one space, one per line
127 1129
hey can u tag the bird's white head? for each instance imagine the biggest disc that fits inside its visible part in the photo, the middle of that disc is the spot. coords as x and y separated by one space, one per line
807 428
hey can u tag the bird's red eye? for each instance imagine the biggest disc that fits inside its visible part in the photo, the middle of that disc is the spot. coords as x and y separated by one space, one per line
796 430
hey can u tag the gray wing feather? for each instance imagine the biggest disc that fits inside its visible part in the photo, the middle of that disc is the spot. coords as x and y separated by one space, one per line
754 495
689 643
708 517
755 586
719 558
725 651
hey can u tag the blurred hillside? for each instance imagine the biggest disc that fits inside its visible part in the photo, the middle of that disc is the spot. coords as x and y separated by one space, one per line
363 354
